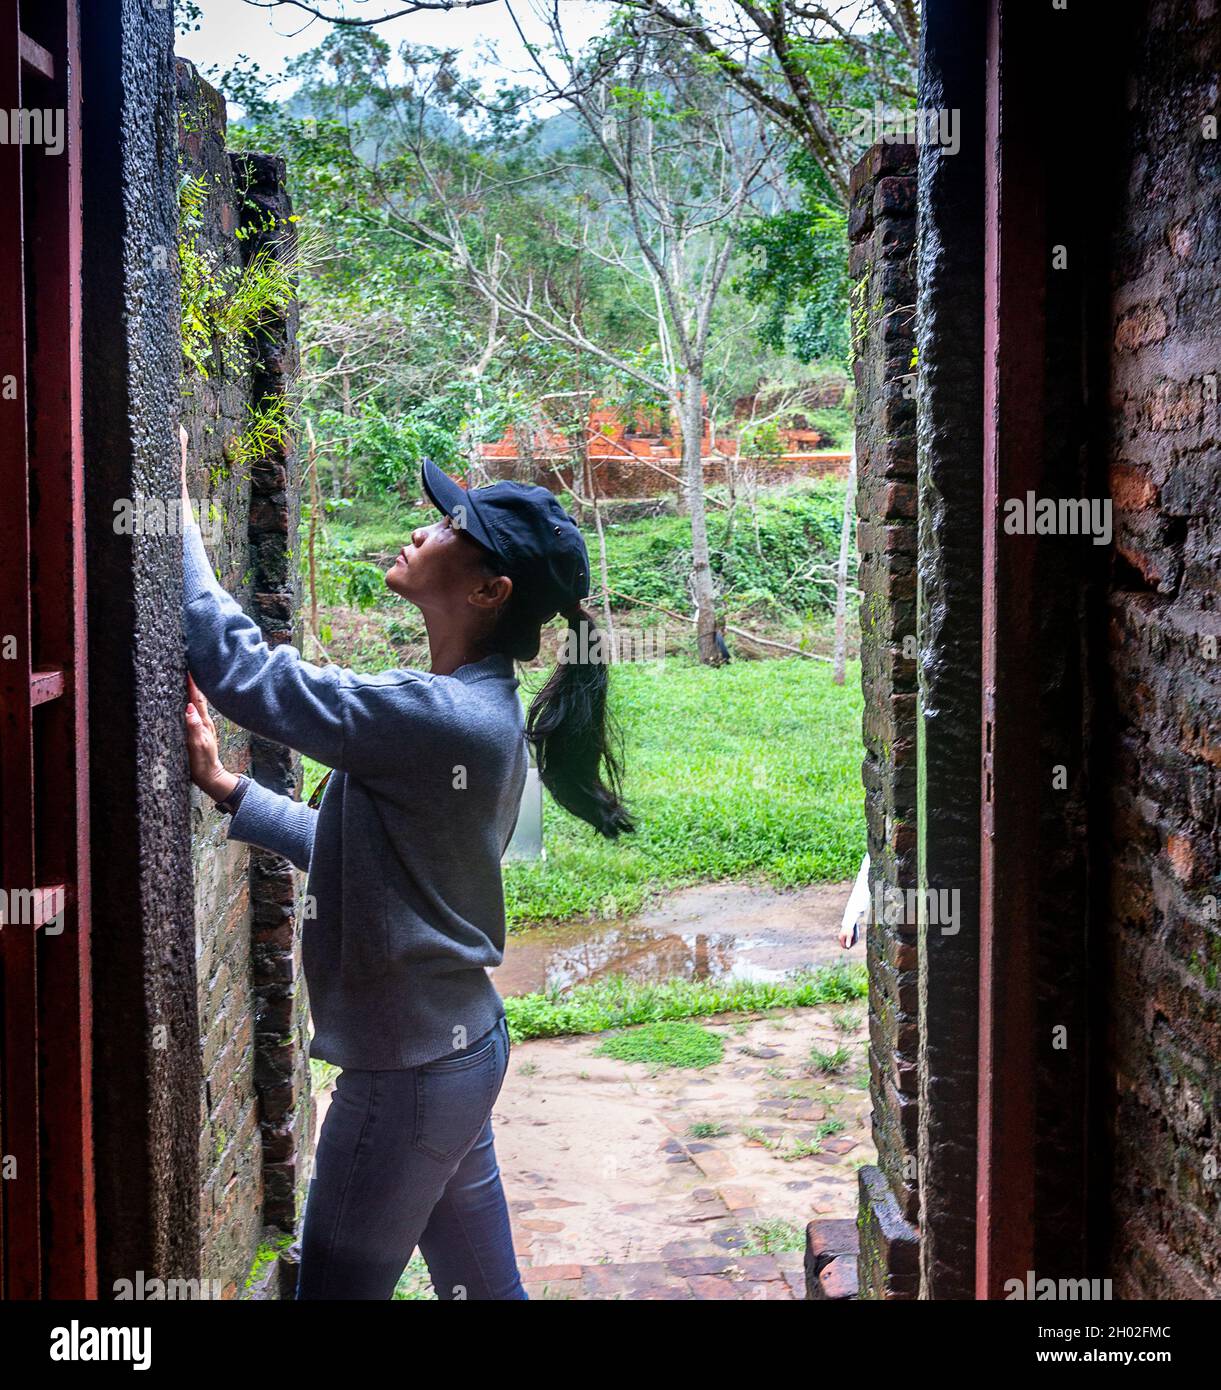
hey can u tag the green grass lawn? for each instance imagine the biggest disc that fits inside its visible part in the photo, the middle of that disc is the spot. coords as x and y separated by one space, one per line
617 1002
750 770
745 771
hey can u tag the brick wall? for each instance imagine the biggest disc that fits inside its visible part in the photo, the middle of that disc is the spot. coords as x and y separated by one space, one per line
1165 635
256 1108
276 888
618 476
882 232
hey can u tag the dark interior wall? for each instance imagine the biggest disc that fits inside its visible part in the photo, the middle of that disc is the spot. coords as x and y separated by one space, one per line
882 232
146 1036
1164 795
1095 313
949 339
1058 85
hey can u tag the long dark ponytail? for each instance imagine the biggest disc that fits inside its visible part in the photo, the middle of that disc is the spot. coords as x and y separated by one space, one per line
577 745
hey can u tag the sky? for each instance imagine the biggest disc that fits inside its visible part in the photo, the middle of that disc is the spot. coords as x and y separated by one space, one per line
232 28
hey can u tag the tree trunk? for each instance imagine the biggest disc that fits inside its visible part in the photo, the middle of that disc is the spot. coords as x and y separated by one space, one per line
591 491
731 480
692 421
841 574
315 512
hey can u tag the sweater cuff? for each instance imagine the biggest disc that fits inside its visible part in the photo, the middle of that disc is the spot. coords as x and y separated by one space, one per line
257 816
230 804
276 823
197 576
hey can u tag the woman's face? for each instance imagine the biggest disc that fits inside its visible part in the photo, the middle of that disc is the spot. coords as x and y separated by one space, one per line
442 569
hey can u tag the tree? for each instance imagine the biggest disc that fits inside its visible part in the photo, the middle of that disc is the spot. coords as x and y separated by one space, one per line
399 357
611 249
807 66
799 273
627 226
795 60
668 167
814 70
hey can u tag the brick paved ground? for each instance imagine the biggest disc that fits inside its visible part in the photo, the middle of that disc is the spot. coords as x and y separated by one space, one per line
683 1277
612 1196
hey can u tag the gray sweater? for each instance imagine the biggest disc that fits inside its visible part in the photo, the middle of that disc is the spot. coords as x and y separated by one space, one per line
405 905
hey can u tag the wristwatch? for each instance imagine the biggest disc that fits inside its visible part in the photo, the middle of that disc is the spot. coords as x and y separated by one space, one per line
234 799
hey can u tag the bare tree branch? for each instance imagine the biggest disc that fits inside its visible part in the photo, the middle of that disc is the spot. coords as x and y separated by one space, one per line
328 16
783 32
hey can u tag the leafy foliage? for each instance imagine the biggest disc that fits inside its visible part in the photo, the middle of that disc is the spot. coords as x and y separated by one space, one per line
225 307
801 275
617 1002
342 575
395 343
773 564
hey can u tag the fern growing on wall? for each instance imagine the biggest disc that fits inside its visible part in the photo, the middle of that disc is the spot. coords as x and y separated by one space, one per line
225 307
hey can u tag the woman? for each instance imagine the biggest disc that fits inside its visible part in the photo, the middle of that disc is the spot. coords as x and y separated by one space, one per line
405 909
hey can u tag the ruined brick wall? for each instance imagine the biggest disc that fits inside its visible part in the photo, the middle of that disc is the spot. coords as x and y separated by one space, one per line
623 477
882 229
276 889
1163 931
256 1109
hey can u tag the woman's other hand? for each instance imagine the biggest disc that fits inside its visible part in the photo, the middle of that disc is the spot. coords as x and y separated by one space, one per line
856 912
202 749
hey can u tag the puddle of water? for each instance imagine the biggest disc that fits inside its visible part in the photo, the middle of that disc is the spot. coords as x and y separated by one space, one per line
704 933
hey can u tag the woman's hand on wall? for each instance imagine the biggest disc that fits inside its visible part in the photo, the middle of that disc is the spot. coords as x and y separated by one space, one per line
202 749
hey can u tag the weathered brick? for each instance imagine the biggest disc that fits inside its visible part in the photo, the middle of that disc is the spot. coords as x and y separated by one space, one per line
233 891
1162 858
1144 324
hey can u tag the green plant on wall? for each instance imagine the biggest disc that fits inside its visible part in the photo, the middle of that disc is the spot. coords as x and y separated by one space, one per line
224 308
204 285
266 429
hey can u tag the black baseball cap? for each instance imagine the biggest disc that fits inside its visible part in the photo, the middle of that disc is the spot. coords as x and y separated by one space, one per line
539 545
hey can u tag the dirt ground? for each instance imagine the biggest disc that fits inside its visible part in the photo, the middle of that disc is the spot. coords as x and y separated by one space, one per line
600 1165
611 1194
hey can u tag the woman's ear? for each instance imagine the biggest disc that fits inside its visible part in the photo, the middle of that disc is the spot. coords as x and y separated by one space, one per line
492 592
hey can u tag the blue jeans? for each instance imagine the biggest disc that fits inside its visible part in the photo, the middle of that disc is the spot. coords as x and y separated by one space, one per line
406 1158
